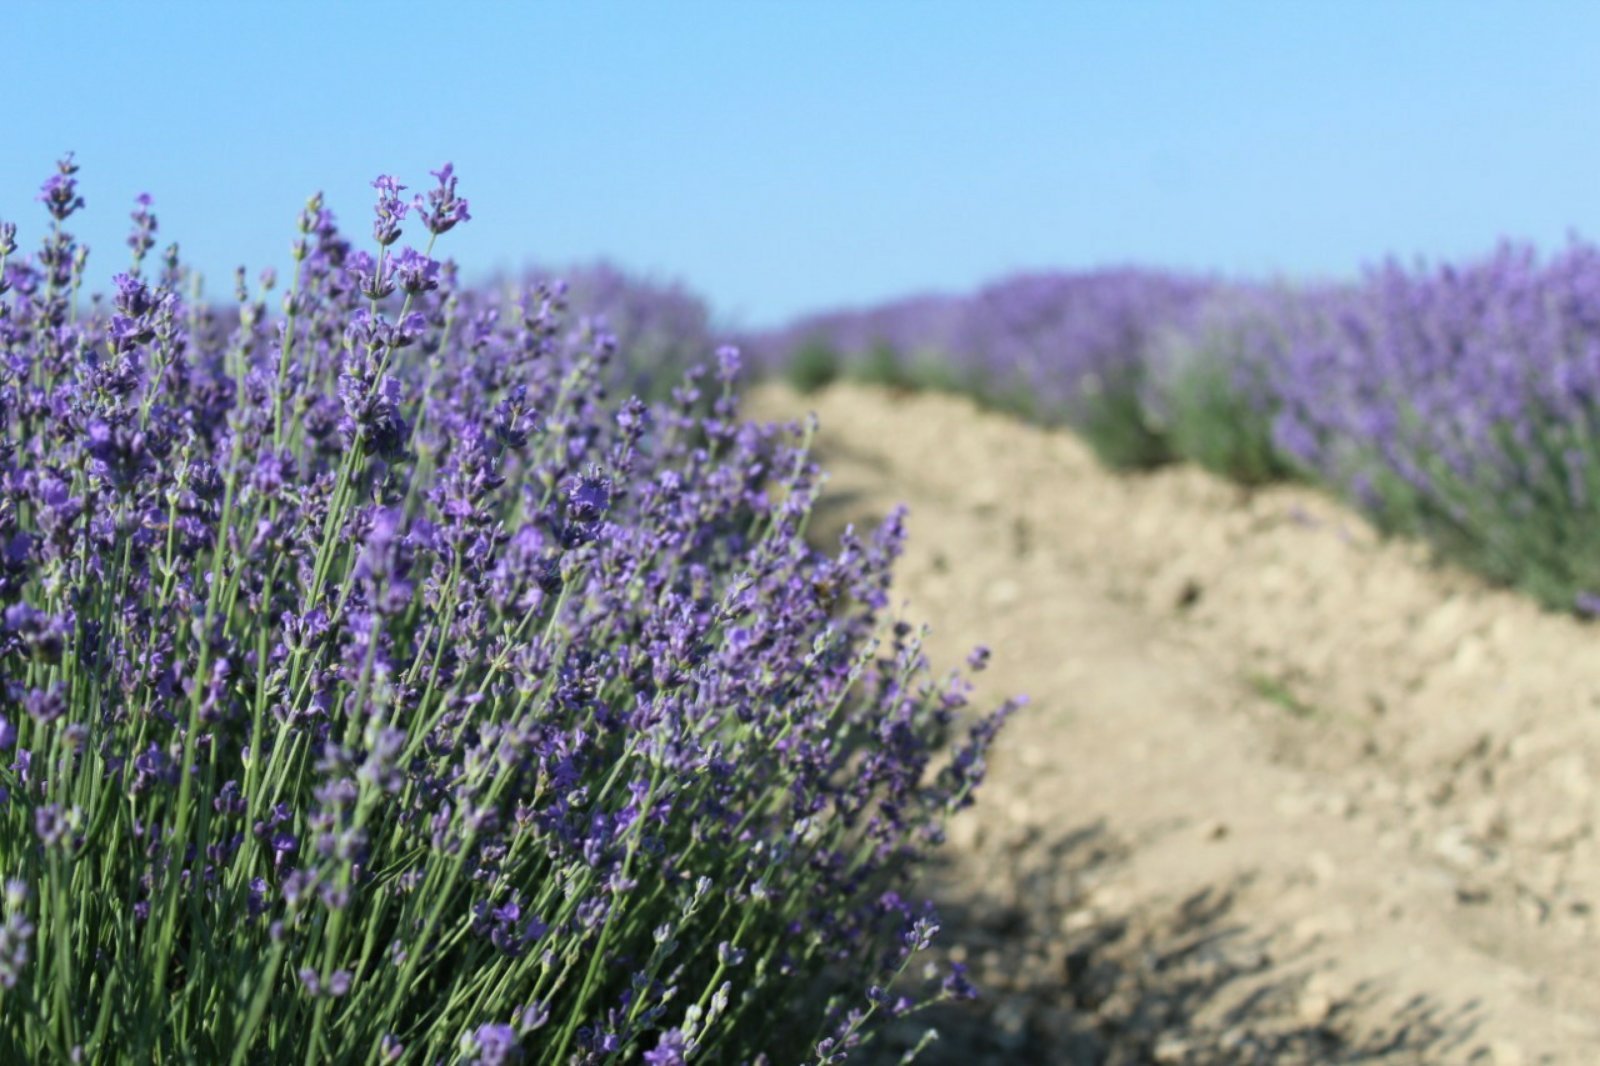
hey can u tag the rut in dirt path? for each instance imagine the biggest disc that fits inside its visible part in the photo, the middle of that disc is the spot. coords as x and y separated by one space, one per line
1283 793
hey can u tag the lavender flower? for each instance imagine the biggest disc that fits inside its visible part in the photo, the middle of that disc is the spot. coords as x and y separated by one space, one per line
415 273
143 236
493 1045
59 193
16 935
672 1049
389 212
443 210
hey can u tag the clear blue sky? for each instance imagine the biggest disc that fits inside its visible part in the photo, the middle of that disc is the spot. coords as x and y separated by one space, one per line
787 157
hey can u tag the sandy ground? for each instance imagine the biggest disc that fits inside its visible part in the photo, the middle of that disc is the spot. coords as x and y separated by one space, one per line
1284 792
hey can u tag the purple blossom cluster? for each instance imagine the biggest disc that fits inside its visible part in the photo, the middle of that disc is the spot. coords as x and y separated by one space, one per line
374 688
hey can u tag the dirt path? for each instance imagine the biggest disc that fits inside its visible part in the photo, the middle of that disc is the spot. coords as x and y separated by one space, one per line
1283 793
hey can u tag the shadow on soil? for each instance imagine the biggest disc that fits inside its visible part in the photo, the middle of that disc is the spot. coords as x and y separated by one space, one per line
1068 978
1066 982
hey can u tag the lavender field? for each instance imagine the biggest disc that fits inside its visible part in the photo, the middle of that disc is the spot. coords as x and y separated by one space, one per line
382 683
800 535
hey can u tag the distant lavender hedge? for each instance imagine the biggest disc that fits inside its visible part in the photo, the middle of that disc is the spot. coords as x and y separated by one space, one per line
1460 403
376 690
1059 348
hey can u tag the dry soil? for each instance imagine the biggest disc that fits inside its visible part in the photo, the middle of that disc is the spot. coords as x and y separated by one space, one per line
1285 791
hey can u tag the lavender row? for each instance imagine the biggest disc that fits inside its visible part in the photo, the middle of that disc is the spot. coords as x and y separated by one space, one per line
1459 403
376 688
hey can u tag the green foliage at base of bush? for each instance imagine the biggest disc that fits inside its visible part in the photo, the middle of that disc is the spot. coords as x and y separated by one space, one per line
1115 425
814 366
1210 421
883 366
1526 520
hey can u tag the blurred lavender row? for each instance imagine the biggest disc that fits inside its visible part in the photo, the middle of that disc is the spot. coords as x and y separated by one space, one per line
1457 402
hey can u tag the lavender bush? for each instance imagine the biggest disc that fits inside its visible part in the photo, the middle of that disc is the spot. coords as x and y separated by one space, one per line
1462 403
376 690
